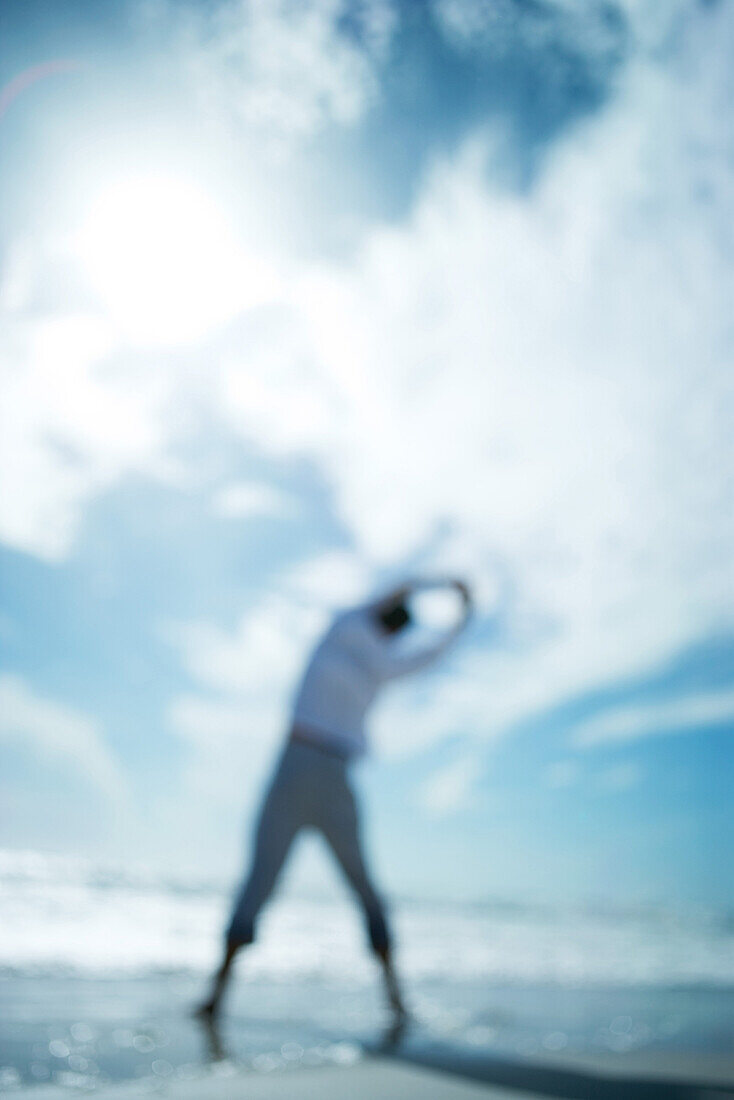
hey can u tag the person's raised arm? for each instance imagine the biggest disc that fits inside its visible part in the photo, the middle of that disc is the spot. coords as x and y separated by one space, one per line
390 664
419 584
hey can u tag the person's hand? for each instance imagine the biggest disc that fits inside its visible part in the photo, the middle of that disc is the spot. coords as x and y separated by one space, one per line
464 591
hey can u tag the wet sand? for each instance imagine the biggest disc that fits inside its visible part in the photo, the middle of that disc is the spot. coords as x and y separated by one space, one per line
365 1081
406 1076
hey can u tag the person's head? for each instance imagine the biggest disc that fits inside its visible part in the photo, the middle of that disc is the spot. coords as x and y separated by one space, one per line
394 617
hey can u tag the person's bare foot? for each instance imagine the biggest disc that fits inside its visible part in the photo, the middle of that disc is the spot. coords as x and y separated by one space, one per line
206 1012
393 1035
207 1016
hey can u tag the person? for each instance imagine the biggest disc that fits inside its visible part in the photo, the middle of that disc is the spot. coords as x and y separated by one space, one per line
311 788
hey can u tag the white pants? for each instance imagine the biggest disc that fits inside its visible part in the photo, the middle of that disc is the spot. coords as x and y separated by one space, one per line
310 789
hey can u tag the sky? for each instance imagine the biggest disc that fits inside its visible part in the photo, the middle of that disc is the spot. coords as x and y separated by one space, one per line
301 298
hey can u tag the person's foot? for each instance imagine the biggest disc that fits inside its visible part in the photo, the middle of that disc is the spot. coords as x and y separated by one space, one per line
207 1016
400 1014
394 1033
206 1012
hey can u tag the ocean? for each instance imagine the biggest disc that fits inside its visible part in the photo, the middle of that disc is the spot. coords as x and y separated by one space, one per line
100 969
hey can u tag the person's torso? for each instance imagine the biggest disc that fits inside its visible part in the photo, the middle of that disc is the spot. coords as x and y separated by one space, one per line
339 684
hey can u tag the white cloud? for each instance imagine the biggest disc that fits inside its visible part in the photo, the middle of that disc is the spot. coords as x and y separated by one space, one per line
58 734
259 657
71 424
553 31
540 378
450 789
250 498
689 714
545 375
333 579
454 696
243 679
91 387
246 678
287 70
229 743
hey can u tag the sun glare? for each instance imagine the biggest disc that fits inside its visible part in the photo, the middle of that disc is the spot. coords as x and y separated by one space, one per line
163 261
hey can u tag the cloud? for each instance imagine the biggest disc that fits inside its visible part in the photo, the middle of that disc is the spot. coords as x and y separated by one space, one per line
247 676
58 734
229 742
287 70
450 789
71 424
332 579
542 374
96 381
260 656
451 697
539 378
686 715
250 498
242 681
551 32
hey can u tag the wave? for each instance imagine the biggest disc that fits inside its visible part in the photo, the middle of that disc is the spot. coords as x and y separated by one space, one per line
64 915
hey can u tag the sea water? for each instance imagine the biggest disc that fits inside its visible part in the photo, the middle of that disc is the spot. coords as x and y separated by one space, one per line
100 969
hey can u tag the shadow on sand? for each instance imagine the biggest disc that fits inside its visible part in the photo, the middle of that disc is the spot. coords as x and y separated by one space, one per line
536 1078
552 1081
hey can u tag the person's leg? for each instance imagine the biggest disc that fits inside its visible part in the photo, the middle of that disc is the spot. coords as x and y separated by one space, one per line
340 826
276 829
220 981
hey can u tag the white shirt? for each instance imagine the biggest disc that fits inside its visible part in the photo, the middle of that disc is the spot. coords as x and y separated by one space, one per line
352 661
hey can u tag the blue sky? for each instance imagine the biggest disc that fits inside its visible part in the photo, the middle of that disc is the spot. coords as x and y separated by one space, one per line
300 298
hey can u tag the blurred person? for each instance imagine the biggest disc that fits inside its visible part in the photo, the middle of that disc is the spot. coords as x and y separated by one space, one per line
310 787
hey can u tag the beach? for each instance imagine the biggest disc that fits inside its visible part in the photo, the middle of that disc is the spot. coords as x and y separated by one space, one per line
402 1079
359 1083
100 970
